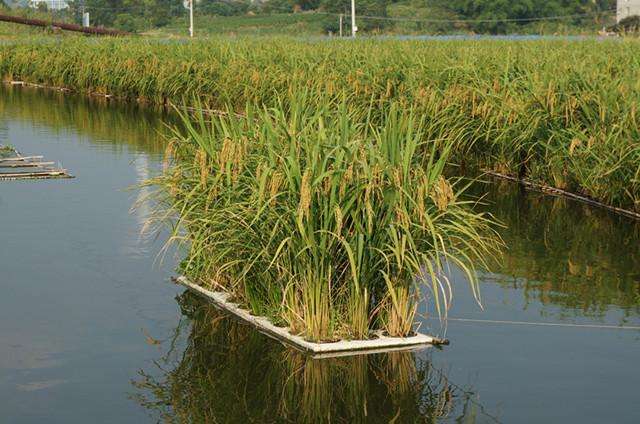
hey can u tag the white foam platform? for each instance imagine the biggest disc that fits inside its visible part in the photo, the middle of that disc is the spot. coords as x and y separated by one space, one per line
340 348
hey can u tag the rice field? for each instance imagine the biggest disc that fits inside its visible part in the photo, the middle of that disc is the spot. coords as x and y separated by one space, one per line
325 191
561 113
106 326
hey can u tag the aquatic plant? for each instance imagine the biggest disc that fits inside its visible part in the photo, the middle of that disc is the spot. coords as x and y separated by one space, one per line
319 218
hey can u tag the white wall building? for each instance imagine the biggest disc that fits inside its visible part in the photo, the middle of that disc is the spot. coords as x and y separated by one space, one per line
627 8
51 4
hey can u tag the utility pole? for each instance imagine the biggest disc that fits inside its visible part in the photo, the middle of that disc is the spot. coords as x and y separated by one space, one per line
85 16
52 14
191 18
341 25
354 28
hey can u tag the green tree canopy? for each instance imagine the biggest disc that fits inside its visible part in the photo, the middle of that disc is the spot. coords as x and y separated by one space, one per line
500 16
127 14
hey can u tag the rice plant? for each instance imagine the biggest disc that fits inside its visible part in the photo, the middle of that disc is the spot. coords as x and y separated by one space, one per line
319 218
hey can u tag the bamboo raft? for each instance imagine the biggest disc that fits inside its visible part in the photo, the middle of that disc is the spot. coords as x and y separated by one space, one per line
14 166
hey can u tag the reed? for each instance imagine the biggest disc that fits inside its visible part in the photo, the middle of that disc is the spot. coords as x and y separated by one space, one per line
316 216
562 113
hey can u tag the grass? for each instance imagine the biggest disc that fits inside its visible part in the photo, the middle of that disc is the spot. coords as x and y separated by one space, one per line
15 32
320 218
9 31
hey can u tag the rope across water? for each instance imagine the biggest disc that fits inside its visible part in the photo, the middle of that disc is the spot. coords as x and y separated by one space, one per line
546 324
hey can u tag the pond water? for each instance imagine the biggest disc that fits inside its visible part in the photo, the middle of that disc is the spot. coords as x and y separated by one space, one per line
92 330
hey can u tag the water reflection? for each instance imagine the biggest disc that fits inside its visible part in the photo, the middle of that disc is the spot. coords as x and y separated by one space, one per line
102 121
228 372
567 254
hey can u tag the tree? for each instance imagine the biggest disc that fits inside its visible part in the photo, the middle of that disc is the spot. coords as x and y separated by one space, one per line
127 14
630 24
42 7
284 6
223 7
500 16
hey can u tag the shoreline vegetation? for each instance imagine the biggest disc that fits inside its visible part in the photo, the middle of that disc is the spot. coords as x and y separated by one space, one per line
319 197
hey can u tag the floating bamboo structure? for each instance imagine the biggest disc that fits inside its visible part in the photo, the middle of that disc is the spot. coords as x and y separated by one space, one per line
25 164
14 166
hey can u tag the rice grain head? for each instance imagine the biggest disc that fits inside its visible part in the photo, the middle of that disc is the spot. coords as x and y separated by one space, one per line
305 195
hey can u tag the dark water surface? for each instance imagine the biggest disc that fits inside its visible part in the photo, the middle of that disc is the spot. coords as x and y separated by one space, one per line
91 330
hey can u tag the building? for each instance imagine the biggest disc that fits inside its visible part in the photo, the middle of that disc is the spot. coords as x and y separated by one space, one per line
51 4
627 8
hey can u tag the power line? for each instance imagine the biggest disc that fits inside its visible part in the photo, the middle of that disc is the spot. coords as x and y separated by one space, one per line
495 20
547 324
385 18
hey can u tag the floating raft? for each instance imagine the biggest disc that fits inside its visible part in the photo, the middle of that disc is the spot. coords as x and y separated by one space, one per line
14 166
379 344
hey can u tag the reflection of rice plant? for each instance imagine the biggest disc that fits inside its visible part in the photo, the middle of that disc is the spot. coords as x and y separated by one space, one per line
230 373
310 215
131 125
566 255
